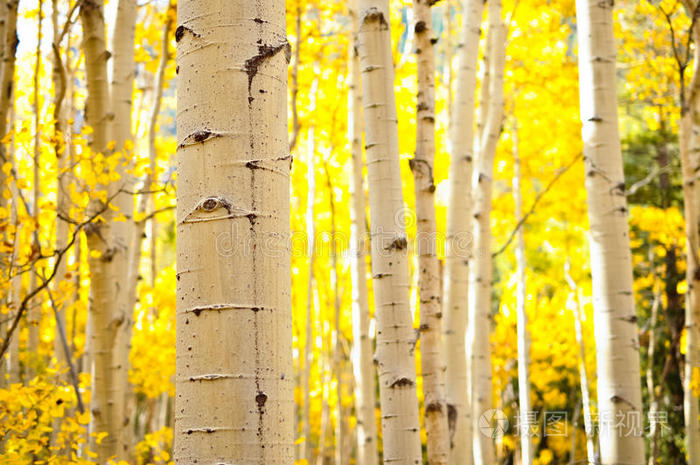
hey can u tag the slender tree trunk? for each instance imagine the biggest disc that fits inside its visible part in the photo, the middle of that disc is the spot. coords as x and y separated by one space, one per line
34 309
619 383
576 307
432 359
481 280
521 299
234 371
108 373
690 101
59 78
458 244
363 368
396 337
121 87
651 388
311 244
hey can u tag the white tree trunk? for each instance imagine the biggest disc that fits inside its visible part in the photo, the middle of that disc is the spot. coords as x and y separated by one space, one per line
234 378
521 299
619 384
363 368
396 337
432 358
480 282
458 243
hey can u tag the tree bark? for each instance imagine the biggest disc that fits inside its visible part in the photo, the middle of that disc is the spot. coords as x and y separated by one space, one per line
395 334
521 299
480 317
458 243
617 344
432 358
108 373
234 378
363 368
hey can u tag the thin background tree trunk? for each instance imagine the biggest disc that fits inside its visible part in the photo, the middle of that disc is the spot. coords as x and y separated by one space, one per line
363 368
481 280
432 358
396 337
459 240
521 300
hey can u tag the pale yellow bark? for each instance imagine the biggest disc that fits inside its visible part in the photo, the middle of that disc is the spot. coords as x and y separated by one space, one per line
234 378
396 337
108 374
458 244
690 161
619 385
482 273
363 368
432 358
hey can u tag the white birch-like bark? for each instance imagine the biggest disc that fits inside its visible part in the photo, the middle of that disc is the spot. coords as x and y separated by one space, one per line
575 304
363 368
619 384
521 299
481 279
432 358
458 243
307 450
396 337
234 372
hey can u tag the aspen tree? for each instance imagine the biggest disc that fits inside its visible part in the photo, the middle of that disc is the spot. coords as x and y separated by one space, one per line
234 379
458 243
123 69
690 161
481 279
311 247
396 337
619 384
363 368
146 199
432 359
34 311
574 302
521 299
108 373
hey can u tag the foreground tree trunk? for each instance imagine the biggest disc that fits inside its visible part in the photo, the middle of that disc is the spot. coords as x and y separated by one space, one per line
458 243
480 283
432 359
396 338
619 385
363 368
234 378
